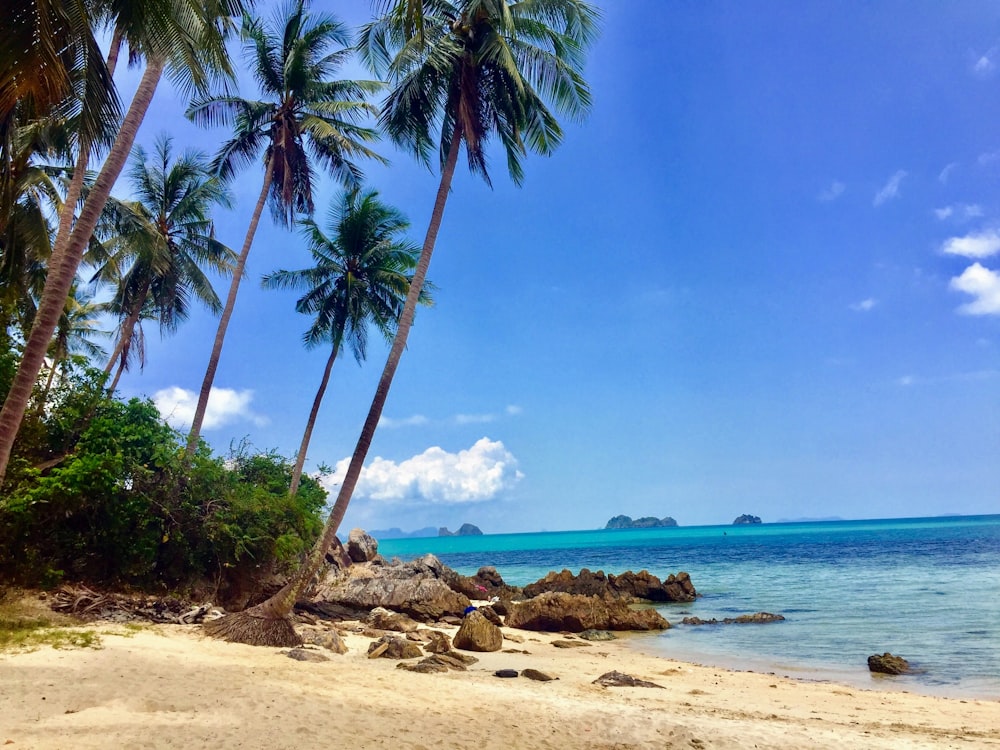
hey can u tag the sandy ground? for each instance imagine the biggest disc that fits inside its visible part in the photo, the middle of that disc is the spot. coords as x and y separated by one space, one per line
172 687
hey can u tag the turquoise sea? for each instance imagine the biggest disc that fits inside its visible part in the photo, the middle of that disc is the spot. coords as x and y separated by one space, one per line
927 589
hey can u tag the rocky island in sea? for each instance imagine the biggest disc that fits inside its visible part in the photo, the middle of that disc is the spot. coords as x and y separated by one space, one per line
466 529
745 519
646 522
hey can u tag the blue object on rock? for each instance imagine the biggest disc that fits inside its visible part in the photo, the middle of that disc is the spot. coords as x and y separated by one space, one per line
468 609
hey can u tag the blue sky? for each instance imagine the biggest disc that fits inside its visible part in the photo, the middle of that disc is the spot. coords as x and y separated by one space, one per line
762 277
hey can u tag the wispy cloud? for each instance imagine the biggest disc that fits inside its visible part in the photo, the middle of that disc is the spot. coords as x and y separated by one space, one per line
959 212
984 65
987 158
890 190
477 474
977 245
390 423
225 406
513 410
984 285
474 418
945 173
864 305
831 193
961 377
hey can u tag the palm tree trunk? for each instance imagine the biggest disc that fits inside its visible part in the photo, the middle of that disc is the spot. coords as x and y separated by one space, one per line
268 623
307 435
227 313
61 274
121 348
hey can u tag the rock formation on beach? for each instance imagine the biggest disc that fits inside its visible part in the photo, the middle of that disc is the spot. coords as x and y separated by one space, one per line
745 519
366 587
646 522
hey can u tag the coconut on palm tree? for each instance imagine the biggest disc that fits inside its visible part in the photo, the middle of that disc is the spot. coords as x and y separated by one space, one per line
307 120
161 243
359 280
186 37
482 70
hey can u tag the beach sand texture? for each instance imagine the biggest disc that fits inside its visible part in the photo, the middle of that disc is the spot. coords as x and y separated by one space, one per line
172 687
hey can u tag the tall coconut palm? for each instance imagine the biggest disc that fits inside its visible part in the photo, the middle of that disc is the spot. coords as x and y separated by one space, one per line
185 37
482 70
164 238
359 280
306 118
78 326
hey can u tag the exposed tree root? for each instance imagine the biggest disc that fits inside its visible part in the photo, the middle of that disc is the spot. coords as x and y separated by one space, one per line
253 628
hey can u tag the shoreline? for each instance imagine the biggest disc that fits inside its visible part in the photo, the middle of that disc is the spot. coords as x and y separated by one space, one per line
819 672
170 686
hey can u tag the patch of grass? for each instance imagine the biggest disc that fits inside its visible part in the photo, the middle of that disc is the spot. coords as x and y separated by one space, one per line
27 625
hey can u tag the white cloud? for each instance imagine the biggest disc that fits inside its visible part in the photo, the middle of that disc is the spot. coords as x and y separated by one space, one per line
477 474
513 410
475 418
982 245
225 406
988 158
983 66
960 211
833 192
984 285
891 188
864 305
946 172
413 421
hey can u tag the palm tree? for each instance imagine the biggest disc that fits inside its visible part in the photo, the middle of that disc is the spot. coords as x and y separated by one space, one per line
306 115
77 326
164 238
359 280
480 70
188 38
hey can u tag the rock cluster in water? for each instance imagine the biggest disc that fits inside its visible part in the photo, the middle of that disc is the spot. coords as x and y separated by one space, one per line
746 518
466 529
646 522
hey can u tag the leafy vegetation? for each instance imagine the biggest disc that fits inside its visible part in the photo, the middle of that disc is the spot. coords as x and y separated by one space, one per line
98 492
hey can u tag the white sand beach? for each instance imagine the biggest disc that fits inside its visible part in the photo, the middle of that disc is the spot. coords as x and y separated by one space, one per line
169 686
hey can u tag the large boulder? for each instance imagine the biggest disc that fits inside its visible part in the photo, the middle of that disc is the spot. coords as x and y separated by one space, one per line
414 588
628 586
384 619
361 546
476 633
485 584
554 612
888 664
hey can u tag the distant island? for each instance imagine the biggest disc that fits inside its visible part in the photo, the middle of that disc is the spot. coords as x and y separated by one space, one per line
646 522
746 518
397 533
466 529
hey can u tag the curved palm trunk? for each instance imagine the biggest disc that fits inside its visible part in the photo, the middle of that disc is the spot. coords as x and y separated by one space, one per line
268 623
227 313
307 435
121 348
61 274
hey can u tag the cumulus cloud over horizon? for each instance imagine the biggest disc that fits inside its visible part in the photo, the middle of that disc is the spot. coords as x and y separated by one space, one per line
473 475
891 188
225 406
984 285
978 245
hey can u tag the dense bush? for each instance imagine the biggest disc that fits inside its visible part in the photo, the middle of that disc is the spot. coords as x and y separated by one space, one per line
98 492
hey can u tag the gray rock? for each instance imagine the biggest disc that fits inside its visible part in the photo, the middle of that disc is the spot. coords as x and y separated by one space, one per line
556 612
888 664
598 635
438 643
534 674
394 647
476 633
384 619
628 586
304 654
620 679
361 546
328 639
506 673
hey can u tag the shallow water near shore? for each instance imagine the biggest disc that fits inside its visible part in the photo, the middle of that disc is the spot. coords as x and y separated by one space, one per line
927 589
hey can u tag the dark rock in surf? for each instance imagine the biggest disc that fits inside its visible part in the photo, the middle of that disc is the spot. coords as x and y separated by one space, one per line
557 611
888 664
628 586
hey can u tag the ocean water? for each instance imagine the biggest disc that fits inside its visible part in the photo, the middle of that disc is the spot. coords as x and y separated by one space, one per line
927 589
